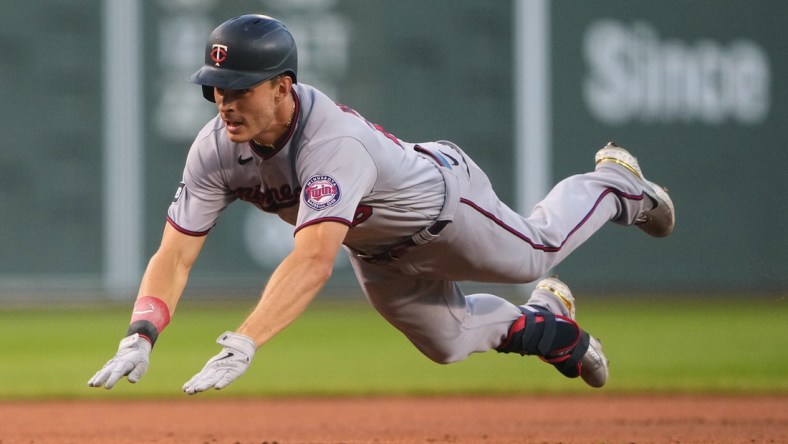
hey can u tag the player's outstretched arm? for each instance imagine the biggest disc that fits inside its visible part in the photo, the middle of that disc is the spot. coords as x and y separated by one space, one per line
291 288
161 287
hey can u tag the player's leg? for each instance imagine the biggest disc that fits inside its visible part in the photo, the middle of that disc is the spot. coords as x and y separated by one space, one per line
553 297
445 325
659 219
488 241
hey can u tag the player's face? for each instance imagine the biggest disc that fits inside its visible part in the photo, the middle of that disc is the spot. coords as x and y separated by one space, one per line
250 113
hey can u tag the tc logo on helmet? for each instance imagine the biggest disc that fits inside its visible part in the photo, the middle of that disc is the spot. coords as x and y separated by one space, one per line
219 54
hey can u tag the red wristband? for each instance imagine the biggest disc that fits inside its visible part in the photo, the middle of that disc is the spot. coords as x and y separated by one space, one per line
153 310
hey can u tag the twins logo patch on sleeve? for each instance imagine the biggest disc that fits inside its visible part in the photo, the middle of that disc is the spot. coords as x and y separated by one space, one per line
321 192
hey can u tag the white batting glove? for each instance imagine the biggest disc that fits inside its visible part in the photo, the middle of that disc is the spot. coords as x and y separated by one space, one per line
225 367
131 360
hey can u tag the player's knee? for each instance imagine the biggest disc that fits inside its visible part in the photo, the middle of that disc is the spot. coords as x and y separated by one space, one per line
537 268
440 352
442 358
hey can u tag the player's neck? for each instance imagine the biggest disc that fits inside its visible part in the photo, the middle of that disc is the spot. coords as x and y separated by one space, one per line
282 129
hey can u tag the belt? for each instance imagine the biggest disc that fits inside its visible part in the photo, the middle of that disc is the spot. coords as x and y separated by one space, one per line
397 250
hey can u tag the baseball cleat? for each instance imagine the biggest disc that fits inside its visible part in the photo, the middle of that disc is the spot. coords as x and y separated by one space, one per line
594 365
659 220
554 296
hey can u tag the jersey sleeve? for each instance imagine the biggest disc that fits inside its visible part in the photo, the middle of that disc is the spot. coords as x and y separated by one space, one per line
335 176
202 194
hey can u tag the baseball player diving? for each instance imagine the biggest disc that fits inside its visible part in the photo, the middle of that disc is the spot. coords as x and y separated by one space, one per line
414 218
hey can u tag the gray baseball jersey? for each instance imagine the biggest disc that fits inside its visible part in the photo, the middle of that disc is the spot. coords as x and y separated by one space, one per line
422 216
334 166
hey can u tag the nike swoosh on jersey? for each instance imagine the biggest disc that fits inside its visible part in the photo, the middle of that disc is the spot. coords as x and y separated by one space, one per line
242 161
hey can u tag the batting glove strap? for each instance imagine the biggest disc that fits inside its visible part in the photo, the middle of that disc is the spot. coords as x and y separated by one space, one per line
241 343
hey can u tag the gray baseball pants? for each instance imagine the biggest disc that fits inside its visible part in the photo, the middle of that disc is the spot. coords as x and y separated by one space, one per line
489 242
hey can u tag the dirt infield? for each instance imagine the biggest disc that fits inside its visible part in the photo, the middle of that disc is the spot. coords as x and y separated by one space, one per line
536 419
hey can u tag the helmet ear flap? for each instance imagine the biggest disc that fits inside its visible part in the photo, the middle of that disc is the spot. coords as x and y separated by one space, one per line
207 92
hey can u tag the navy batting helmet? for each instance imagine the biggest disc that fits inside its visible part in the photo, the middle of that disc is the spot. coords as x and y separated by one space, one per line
245 51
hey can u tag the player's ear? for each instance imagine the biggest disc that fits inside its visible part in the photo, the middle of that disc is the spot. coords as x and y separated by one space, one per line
283 83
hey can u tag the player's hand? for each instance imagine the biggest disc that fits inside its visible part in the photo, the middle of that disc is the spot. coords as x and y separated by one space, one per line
225 367
131 360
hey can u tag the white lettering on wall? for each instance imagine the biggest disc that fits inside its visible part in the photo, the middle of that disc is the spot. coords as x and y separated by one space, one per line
634 75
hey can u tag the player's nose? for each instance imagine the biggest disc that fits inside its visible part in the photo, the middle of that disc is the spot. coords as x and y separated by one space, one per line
222 98
223 104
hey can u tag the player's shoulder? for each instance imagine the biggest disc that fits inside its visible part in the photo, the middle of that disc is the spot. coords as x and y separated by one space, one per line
324 118
309 95
317 105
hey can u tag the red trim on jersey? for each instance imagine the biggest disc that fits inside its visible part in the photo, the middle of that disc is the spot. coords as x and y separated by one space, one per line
323 219
185 231
267 153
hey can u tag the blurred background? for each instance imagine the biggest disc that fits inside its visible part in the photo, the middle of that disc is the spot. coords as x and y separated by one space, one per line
99 117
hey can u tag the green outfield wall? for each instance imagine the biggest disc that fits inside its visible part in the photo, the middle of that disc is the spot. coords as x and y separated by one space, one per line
696 89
